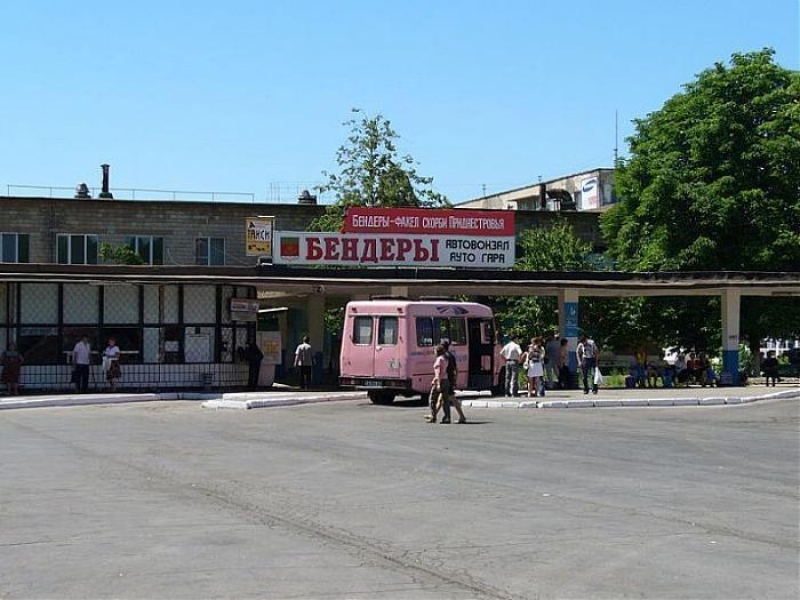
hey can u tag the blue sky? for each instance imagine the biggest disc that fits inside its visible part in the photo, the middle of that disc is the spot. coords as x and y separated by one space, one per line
251 96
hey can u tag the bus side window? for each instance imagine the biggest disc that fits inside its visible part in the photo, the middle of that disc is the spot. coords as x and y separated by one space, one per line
387 331
458 331
424 326
362 330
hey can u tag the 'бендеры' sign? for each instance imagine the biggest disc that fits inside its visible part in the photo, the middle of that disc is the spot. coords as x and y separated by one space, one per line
407 237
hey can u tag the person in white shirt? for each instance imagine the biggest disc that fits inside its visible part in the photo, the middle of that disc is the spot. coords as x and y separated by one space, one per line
111 363
81 357
512 352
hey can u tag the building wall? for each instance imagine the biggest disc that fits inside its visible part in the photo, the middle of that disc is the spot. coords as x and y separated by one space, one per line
180 223
113 221
528 197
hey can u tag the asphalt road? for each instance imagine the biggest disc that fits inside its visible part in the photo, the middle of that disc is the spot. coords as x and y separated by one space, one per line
353 500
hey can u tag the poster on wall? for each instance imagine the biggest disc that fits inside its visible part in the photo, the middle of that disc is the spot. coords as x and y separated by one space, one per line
258 236
590 193
406 238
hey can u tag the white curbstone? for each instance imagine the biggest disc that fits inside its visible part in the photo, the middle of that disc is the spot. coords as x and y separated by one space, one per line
224 404
606 402
685 401
733 400
660 401
528 404
554 404
712 401
475 403
580 403
634 402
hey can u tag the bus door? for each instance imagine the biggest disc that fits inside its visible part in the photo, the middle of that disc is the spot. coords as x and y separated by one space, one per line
386 351
481 353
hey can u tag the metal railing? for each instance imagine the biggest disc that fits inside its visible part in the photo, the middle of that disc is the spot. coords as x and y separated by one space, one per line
41 191
137 377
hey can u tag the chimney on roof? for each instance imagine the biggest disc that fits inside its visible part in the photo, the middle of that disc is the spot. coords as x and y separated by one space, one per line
82 192
306 198
105 194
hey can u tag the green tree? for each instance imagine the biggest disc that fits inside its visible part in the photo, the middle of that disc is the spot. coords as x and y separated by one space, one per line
374 174
713 181
120 255
554 247
713 184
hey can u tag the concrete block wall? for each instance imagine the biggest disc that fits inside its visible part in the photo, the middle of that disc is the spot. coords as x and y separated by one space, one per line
114 221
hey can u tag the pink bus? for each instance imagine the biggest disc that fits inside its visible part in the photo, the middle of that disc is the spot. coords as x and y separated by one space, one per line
388 346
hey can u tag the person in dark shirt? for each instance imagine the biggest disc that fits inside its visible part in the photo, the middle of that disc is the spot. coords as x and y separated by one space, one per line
770 368
253 356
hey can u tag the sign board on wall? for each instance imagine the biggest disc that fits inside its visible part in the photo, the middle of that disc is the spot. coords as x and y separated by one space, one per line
258 235
590 193
406 237
244 309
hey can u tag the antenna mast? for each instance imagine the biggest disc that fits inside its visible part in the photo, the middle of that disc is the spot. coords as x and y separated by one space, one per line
616 137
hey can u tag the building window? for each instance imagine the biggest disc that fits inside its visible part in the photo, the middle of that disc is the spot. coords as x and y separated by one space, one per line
149 248
77 249
209 251
14 248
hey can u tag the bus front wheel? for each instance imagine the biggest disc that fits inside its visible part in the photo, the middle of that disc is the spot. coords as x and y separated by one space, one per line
381 397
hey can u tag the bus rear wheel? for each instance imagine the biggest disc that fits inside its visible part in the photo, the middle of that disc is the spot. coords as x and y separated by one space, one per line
381 397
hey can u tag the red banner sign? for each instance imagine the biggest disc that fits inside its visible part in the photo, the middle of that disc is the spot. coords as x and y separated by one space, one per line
383 250
429 221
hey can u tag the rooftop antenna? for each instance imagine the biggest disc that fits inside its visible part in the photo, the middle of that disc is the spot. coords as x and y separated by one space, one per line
616 137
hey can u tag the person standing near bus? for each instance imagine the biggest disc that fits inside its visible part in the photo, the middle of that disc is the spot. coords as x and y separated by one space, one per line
302 359
512 352
534 367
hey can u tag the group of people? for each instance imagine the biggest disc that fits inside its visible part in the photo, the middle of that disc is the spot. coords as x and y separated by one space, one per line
11 361
442 395
694 368
82 358
545 364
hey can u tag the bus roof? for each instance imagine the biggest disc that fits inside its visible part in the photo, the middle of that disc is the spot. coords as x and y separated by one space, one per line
443 307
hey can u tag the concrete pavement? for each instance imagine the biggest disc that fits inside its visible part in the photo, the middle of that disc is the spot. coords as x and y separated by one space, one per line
286 396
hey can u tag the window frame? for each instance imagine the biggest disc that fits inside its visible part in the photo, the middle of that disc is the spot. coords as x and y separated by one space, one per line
154 246
206 249
21 247
91 248
356 337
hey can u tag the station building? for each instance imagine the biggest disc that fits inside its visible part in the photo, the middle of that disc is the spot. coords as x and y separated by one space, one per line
180 318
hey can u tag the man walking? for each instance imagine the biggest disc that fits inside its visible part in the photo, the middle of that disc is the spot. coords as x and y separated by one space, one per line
450 397
511 352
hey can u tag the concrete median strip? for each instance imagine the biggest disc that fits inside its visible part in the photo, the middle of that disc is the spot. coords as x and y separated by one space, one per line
609 398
